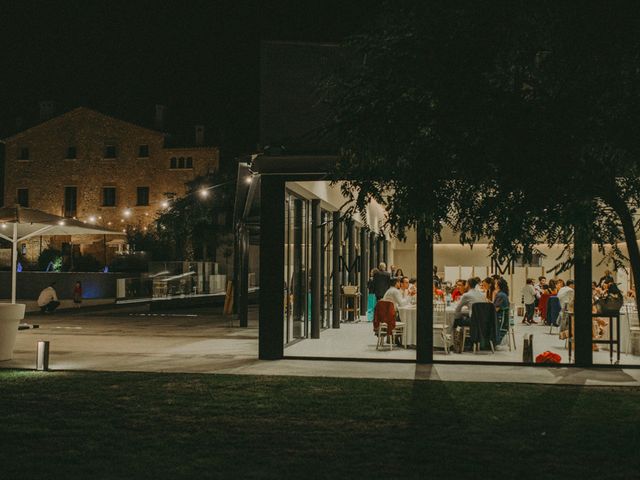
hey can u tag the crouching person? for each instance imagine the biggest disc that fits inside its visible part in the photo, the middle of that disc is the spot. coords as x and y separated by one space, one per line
48 299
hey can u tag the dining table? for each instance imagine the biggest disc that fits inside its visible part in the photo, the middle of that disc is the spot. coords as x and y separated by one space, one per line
442 314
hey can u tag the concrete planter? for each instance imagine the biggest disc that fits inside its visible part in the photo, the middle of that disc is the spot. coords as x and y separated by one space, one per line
10 317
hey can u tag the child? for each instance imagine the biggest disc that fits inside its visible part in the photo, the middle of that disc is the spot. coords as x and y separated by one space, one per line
77 294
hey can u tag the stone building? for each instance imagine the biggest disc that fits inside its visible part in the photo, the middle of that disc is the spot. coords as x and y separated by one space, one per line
99 169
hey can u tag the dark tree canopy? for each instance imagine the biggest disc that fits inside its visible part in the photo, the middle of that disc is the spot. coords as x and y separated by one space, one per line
508 120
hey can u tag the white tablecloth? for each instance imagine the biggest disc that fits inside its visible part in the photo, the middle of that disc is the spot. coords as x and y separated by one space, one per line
624 332
408 316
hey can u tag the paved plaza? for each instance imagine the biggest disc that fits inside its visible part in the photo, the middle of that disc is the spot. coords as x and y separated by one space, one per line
204 341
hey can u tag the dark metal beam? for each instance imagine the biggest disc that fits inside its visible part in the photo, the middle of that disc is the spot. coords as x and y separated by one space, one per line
364 271
424 313
582 302
353 273
271 316
316 273
336 241
243 277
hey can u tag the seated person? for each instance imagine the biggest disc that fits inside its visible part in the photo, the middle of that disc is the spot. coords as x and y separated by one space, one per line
396 295
458 291
438 294
48 299
463 309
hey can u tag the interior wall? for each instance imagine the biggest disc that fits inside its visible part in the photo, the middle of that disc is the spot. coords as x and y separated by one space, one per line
404 256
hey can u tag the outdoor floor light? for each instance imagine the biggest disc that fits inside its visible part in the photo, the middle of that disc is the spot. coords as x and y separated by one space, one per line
42 356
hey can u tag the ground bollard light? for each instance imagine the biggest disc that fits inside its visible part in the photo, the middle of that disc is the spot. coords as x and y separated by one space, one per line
42 356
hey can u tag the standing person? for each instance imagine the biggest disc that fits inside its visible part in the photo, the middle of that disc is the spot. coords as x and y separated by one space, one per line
371 295
542 280
501 303
529 300
436 279
381 281
566 294
542 303
392 270
399 273
77 294
48 299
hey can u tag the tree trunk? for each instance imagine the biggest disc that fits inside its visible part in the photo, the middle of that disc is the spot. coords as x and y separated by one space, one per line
621 208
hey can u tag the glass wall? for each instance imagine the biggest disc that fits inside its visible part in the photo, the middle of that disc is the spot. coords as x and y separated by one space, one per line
326 265
297 267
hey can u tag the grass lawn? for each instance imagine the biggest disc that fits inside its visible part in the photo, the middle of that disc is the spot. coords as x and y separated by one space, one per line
137 425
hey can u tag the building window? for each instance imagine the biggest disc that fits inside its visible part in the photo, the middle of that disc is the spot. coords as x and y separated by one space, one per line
23 197
181 163
109 197
70 202
23 153
143 196
110 151
72 153
143 151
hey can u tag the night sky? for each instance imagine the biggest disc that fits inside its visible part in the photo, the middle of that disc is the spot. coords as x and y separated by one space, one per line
198 58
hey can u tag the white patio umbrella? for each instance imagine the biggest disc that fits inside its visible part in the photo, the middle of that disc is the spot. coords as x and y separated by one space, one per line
19 223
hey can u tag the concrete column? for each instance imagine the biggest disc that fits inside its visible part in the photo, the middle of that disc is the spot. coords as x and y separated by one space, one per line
271 316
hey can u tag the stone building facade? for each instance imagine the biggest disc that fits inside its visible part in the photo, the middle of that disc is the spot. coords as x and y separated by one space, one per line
99 169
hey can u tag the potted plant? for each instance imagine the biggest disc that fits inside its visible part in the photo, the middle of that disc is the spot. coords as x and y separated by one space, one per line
11 314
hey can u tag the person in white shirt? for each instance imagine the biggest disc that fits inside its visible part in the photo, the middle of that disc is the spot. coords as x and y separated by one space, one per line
472 295
48 299
529 300
566 294
396 295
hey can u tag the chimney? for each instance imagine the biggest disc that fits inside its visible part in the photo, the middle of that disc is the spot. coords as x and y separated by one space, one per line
159 118
46 109
199 135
